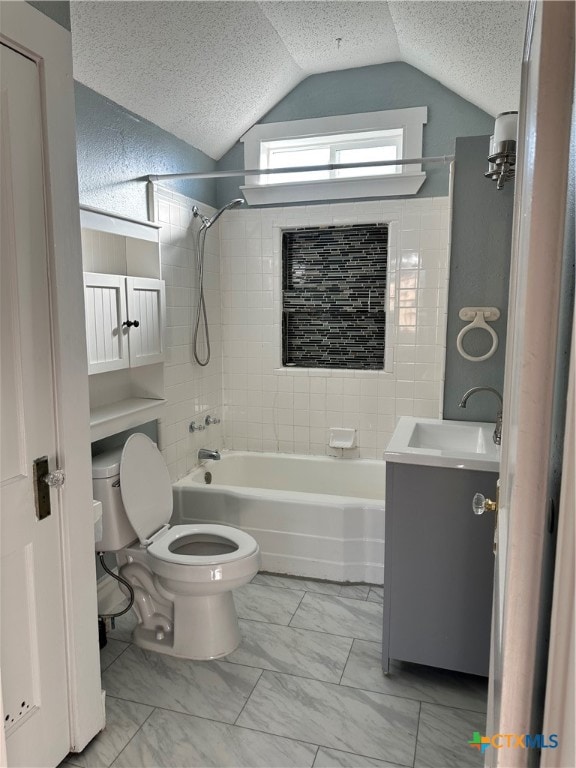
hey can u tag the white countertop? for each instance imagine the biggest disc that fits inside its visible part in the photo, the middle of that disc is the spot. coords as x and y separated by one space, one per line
438 443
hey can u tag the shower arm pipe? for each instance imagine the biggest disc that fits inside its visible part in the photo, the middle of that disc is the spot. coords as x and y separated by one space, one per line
442 159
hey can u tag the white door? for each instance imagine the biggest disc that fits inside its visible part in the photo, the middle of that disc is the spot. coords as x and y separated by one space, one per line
32 652
522 584
106 331
145 298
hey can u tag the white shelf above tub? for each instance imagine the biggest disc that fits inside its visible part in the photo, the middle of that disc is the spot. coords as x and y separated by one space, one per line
111 418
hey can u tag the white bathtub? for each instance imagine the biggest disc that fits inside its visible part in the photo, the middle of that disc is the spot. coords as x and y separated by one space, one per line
312 516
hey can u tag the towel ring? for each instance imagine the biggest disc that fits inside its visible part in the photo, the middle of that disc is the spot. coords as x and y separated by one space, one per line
479 316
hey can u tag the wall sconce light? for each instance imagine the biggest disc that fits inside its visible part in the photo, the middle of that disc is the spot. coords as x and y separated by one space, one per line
502 155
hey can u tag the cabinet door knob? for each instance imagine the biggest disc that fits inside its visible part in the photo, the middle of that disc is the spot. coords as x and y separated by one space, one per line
481 504
130 323
136 323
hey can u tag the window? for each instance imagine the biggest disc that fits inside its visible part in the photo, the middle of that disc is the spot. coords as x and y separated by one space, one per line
370 136
361 147
334 296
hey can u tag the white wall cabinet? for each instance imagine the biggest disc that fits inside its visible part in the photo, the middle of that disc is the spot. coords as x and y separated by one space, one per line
124 321
145 299
105 308
125 318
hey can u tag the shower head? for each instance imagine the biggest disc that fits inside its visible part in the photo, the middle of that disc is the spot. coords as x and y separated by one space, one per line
232 204
207 223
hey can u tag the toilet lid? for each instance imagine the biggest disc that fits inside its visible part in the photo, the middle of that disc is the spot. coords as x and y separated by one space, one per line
145 486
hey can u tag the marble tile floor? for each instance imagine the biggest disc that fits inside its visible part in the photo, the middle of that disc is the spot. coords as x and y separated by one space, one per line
303 689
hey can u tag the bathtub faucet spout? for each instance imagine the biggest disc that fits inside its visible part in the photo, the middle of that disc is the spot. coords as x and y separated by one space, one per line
206 453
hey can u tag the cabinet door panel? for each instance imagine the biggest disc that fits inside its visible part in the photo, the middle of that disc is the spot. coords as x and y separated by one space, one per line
438 568
146 303
105 308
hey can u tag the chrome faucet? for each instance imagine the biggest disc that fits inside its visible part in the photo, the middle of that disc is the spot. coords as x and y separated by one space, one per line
497 436
207 453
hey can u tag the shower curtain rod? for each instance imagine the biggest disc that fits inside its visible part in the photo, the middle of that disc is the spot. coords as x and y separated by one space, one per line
443 159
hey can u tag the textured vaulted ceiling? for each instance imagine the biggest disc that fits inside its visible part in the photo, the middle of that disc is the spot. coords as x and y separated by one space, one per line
207 71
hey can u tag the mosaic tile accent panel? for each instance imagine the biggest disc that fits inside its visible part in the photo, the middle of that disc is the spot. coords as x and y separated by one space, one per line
272 407
334 294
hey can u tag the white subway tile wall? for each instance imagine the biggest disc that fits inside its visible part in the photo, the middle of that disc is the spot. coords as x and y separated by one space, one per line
290 410
192 392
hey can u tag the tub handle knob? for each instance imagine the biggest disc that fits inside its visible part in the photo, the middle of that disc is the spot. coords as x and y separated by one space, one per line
193 427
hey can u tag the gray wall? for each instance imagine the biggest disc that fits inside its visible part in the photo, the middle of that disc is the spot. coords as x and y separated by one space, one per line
57 10
116 146
479 275
369 89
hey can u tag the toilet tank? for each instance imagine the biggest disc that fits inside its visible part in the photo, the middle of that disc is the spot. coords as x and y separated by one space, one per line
117 532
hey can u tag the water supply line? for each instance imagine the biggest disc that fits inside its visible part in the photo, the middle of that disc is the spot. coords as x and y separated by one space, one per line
122 581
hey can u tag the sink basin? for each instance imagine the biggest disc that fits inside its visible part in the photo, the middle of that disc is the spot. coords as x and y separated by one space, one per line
448 436
437 443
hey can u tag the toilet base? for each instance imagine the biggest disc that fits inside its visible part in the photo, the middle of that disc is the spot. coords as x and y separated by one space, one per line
205 627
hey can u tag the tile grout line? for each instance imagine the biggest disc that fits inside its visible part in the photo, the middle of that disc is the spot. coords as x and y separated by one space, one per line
315 756
337 597
408 698
357 754
114 660
266 733
305 677
351 597
346 637
307 629
190 714
320 595
325 594
417 733
297 677
451 706
297 607
249 695
320 746
346 662
263 621
133 736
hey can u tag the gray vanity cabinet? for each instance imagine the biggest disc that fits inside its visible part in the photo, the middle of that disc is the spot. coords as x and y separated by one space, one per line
438 568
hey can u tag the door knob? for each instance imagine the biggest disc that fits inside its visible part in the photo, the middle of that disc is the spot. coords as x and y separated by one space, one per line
481 504
55 479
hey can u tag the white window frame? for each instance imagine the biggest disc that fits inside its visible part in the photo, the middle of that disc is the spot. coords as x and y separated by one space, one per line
259 191
333 145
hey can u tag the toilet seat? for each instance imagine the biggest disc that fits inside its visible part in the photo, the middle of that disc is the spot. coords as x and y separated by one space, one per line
147 497
160 547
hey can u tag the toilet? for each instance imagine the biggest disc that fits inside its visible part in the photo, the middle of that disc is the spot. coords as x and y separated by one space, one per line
182 575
